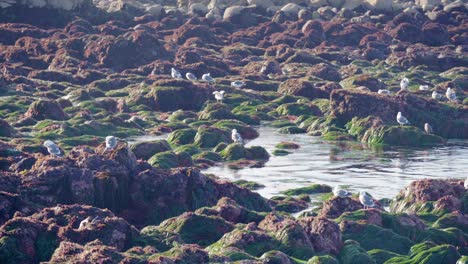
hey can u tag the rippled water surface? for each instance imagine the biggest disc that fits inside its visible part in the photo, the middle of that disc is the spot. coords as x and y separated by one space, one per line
383 173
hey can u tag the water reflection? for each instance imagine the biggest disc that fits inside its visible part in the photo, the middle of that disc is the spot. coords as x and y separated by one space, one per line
382 171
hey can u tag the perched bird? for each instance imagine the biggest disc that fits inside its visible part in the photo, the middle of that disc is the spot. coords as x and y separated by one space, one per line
84 223
401 119
366 200
466 183
383 91
176 74
423 87
238 84
404 84
451 95
207 78
436 95
236 137
190 76
52 148
154 72
111 142
219 96
340 192
428 128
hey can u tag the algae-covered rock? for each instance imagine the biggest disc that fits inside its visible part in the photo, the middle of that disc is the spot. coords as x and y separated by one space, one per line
291 130
314 188
245 130
287 145
209 155
181 115
249 184
6 130
216 111
401 136
353 253
144 150
280 152
325 259
208 137
182 136
46 109
276 257
164 160
197 229
298 109
428 253
159 238
238 151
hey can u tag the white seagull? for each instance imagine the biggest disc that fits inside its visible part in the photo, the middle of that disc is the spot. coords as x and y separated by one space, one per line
207 78
52 148
466 183
111 142
366 200
238 84
236 137
190 76
451 95
436 95
404 84
423 87
84 223
219 96
428 128
401 119
337 192
176 74
383 91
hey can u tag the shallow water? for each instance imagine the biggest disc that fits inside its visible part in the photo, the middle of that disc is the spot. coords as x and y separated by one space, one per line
383 173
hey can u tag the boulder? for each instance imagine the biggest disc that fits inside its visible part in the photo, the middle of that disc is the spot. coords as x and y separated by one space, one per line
46 109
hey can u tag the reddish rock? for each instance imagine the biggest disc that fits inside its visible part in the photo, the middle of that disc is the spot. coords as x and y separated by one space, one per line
325 235
336 206
435 34
301 87
407 32
45 109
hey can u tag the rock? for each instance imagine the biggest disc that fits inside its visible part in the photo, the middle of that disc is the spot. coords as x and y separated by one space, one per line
400 136
239 15
324 234
156 11
198 9
300 87
336 206
6 130
407 32
312 189
291 10
45 109
381 5
435 34
352 252
144 150
421 195
265 4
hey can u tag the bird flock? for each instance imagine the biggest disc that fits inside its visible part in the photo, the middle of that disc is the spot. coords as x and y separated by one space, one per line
364 197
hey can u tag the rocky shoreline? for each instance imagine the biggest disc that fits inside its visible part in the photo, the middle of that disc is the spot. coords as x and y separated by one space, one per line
334 69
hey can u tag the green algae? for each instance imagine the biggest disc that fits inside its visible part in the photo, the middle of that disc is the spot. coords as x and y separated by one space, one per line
312 189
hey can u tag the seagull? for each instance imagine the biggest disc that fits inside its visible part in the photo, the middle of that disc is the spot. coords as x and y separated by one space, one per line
219 96
401 119
423 87
383 91
404 84
176 74
84 223
236 137
428 128
436 95
154 72
451 96
52 148
207 78
366 200
111 142
190 76
238 84
466 183
340 192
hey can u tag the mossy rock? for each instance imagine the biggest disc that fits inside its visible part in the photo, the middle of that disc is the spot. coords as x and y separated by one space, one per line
325 259
209 155
208 137
297 109
181 115
428 253
374 237
401 136
451 220
353 253
287 145
234 152
281 123
184 159
197 229
190 149
275 257
463 260
9 251
182 136
216 111
380 255
291 130
144 150
249 184
258 153
164 160
220 147
337 136
280 152
312 189
162 240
